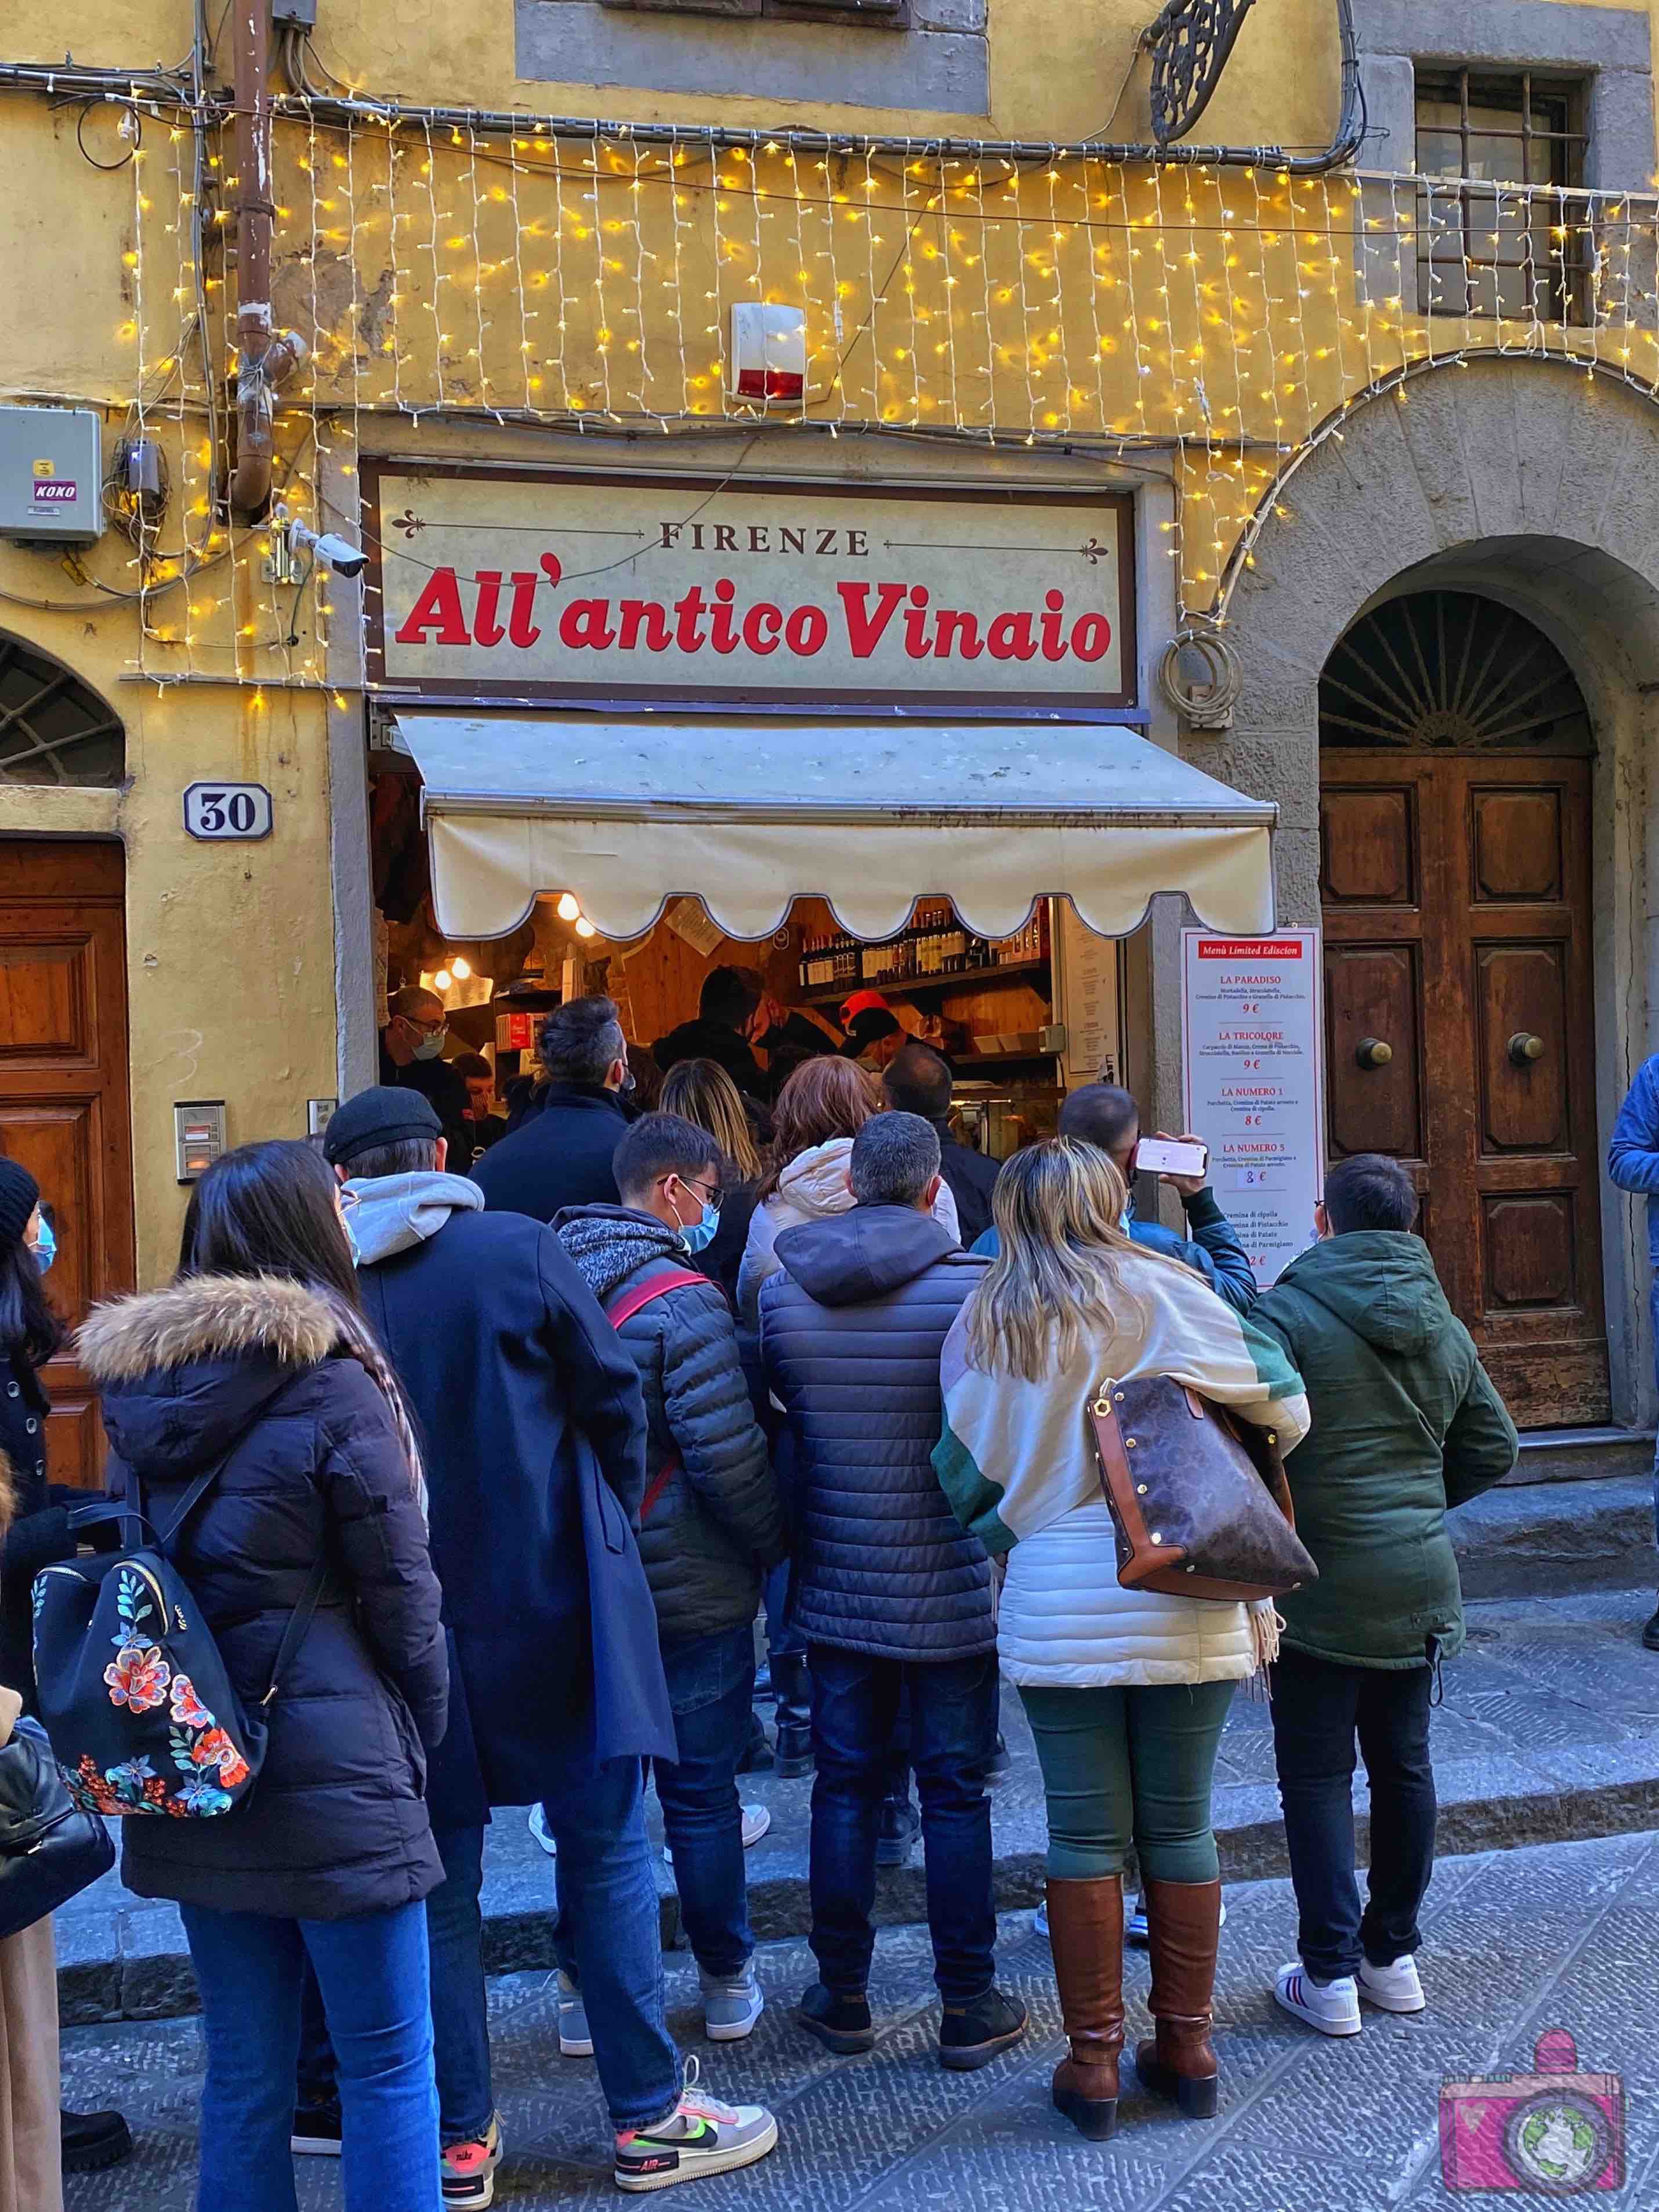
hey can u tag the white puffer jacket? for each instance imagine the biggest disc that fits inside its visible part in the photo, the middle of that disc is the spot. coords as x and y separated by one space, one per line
810 1188
1067 1624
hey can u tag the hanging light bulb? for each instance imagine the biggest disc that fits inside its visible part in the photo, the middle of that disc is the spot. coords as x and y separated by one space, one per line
460 970
569 907
584 928
442 980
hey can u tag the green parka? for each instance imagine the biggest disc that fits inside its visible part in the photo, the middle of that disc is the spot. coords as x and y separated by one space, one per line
1406 1423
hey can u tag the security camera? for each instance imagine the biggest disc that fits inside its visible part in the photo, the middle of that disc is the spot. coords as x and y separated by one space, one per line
334 552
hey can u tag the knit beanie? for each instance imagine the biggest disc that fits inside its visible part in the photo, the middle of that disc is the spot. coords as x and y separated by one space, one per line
19 1195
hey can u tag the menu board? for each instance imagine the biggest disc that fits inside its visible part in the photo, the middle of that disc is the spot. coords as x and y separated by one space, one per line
1086 999
1252 1068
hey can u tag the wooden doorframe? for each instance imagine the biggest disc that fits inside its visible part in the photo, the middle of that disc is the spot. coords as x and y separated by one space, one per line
65 901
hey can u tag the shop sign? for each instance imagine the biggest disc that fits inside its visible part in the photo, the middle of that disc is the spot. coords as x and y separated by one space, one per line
680 590
1252 1066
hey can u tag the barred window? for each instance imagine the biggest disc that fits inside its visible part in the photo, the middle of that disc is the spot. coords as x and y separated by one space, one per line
53 728
1484 250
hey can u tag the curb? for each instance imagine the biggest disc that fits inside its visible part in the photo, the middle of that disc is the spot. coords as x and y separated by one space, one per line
161 1987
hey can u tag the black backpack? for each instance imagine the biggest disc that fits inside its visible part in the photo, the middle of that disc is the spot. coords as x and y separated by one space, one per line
133 1690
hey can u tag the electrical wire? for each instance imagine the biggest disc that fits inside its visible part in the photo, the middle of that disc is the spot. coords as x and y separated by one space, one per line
109 168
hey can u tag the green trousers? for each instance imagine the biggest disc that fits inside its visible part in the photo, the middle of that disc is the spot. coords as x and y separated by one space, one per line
1122 1765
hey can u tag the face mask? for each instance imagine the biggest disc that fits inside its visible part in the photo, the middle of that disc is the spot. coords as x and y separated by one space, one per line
432 1048
351 1238
624 1089
702 1232
45 1250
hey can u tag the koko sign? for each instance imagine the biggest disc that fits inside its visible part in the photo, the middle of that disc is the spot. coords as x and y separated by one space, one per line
486 585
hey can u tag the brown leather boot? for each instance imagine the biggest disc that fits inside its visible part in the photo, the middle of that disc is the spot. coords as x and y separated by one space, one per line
1085 1931
1183 1924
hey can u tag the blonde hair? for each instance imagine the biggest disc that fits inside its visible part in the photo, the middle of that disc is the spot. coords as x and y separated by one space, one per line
701 1091
1059 1275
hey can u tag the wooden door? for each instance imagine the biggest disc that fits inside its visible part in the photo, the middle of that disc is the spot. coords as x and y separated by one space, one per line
1456 888
64 1105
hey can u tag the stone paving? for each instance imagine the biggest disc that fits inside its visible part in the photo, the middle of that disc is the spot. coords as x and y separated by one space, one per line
1549 1730
1516 1942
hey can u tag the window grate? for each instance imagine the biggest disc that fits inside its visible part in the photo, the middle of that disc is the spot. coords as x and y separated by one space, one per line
53 728
1490 244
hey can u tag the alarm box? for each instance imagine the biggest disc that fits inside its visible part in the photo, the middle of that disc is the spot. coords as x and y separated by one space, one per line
52 477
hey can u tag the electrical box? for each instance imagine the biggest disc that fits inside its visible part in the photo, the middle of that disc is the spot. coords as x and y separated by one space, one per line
198 1135
302 12
51 475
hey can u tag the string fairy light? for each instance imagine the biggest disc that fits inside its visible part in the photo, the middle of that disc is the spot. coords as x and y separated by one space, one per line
1222 322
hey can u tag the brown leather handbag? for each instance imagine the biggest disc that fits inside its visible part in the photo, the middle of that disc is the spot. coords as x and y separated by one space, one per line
1199 1498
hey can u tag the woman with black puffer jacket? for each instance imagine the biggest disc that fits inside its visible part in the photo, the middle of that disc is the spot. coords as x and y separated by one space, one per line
257 1360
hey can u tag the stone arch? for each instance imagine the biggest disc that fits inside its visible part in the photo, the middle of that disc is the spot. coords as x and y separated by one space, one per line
1537 485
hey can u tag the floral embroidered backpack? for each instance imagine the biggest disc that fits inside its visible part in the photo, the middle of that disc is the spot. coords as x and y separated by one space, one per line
133 1690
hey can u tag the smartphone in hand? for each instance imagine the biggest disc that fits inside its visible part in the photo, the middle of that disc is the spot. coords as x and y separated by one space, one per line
1165 1156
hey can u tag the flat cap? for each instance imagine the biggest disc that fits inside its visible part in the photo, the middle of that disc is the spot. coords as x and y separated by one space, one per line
385 1115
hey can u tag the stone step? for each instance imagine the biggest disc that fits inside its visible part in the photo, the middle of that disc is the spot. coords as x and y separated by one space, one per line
1549 1731
1549 1538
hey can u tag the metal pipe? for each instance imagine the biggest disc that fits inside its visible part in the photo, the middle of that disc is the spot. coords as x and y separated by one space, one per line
256 215
1345 143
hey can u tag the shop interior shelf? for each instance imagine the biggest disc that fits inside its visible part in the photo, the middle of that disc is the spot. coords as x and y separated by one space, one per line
917 986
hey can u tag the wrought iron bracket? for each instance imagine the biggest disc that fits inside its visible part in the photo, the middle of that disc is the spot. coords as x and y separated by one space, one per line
1190 42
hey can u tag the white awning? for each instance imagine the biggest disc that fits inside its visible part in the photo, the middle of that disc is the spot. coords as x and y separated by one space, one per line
629 814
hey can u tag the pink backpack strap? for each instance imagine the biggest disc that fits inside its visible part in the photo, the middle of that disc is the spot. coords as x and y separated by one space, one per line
623 1308
626 1304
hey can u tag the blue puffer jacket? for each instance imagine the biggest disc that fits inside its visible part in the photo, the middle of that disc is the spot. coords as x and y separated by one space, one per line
851 1331
1633 1153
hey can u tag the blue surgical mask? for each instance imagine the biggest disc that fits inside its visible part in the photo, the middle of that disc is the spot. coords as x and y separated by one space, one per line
432 1048
45 1248
702 1232
351 1236
1127 1216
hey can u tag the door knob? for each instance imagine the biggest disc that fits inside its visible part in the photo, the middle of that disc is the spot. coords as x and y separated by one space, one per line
1373 1052
1524 1048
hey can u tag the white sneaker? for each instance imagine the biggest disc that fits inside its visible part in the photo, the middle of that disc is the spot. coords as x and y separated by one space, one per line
539 1829
756 1819
1331 2006
702 2136
575 2038
1393 1988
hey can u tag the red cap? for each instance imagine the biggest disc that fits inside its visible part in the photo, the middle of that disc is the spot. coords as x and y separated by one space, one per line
861 1002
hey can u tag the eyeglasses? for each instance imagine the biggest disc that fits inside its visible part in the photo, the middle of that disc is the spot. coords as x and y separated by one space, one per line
715 1197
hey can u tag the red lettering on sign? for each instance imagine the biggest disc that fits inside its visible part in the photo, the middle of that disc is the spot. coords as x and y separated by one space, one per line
953 623
648 614
722 636
1091 637
806 631
583 625
438 609
1011 638
760 626
486 630
520 630
864 629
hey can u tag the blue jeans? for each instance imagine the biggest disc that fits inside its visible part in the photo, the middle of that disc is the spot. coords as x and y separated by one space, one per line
711 1683
609 1938
461 2012
1319 1707
372 1969
460 2009
953 1722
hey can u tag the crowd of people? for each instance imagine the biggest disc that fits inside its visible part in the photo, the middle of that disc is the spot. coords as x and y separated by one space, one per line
560 1428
